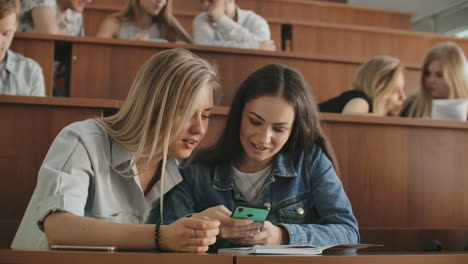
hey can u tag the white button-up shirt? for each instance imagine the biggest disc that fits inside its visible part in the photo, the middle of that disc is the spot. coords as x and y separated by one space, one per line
247 32
21 76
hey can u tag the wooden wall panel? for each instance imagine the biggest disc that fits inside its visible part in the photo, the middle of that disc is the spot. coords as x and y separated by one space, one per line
413 240
76 256
313 11
363 42
104 69
31 129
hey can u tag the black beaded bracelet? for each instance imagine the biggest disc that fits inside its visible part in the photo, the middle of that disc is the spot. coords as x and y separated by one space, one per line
156 237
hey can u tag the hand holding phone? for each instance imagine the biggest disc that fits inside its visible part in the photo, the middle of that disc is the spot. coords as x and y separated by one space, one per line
257 213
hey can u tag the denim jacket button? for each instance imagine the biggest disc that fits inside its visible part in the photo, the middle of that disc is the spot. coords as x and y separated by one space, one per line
267 205
300 210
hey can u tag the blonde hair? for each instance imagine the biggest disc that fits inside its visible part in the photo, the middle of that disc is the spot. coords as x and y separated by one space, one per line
163 91
169 26
377 79
9 6
455 74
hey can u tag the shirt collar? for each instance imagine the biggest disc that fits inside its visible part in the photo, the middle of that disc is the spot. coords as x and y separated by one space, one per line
119 155
223 179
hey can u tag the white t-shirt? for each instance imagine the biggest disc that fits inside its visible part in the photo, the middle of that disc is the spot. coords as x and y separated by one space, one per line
250 184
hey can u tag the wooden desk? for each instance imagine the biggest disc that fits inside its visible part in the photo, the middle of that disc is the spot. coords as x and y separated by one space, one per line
30 125
39 47
415 258
105 68
53 257
324 38
8 256
365 42
306 10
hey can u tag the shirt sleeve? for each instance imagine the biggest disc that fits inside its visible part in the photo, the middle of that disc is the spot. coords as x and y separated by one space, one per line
234 35
37 80
64 177
337 224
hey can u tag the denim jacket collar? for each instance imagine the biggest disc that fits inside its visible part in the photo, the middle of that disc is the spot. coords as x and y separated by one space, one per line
223 179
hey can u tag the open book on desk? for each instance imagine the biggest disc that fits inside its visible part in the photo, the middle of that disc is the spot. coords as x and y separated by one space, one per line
303 250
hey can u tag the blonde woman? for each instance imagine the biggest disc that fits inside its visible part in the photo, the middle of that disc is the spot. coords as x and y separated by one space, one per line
444 76
378 88
102 177
144 20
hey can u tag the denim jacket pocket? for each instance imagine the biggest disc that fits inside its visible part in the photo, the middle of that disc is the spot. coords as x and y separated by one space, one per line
296 212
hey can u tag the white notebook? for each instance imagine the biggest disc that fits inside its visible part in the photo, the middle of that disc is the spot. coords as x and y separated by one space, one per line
304 250
450 109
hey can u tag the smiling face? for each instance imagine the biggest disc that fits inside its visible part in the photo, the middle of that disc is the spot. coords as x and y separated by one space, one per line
266 125
434 82
7 31
195 128
152 7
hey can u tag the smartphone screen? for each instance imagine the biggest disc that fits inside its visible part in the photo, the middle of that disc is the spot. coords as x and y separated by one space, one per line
257 213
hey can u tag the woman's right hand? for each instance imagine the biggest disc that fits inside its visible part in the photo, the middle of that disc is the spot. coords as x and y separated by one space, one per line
189 235
230 228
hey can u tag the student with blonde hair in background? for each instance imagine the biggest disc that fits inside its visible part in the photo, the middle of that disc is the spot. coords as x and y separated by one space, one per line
225 24
18 75
144 20
61 17
102 177
378 88
444 76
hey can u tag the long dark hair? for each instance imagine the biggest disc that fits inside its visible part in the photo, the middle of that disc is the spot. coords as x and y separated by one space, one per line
273 80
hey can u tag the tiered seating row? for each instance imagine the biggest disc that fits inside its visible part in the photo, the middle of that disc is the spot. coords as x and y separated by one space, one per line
306 10
392 181
105 68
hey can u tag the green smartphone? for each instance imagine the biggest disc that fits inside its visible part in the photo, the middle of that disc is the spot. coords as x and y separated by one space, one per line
257 213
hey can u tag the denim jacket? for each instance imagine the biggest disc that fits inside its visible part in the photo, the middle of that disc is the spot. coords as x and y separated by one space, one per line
305 196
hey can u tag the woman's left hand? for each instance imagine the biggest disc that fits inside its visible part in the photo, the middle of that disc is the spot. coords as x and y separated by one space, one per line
270 234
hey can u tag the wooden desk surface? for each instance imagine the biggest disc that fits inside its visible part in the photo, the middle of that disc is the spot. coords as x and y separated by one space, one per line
105 68
8 256
415 258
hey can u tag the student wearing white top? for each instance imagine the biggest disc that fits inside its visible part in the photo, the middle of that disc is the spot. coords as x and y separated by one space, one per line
102 177
225 24
62 17
18 75
144 20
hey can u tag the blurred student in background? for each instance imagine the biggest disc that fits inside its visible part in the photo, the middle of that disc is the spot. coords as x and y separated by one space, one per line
378 88
62 17
225 24
444 76
144 20
18 75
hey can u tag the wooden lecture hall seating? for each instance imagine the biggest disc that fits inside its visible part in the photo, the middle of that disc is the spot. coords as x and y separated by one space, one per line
406 178
391 181
76 257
